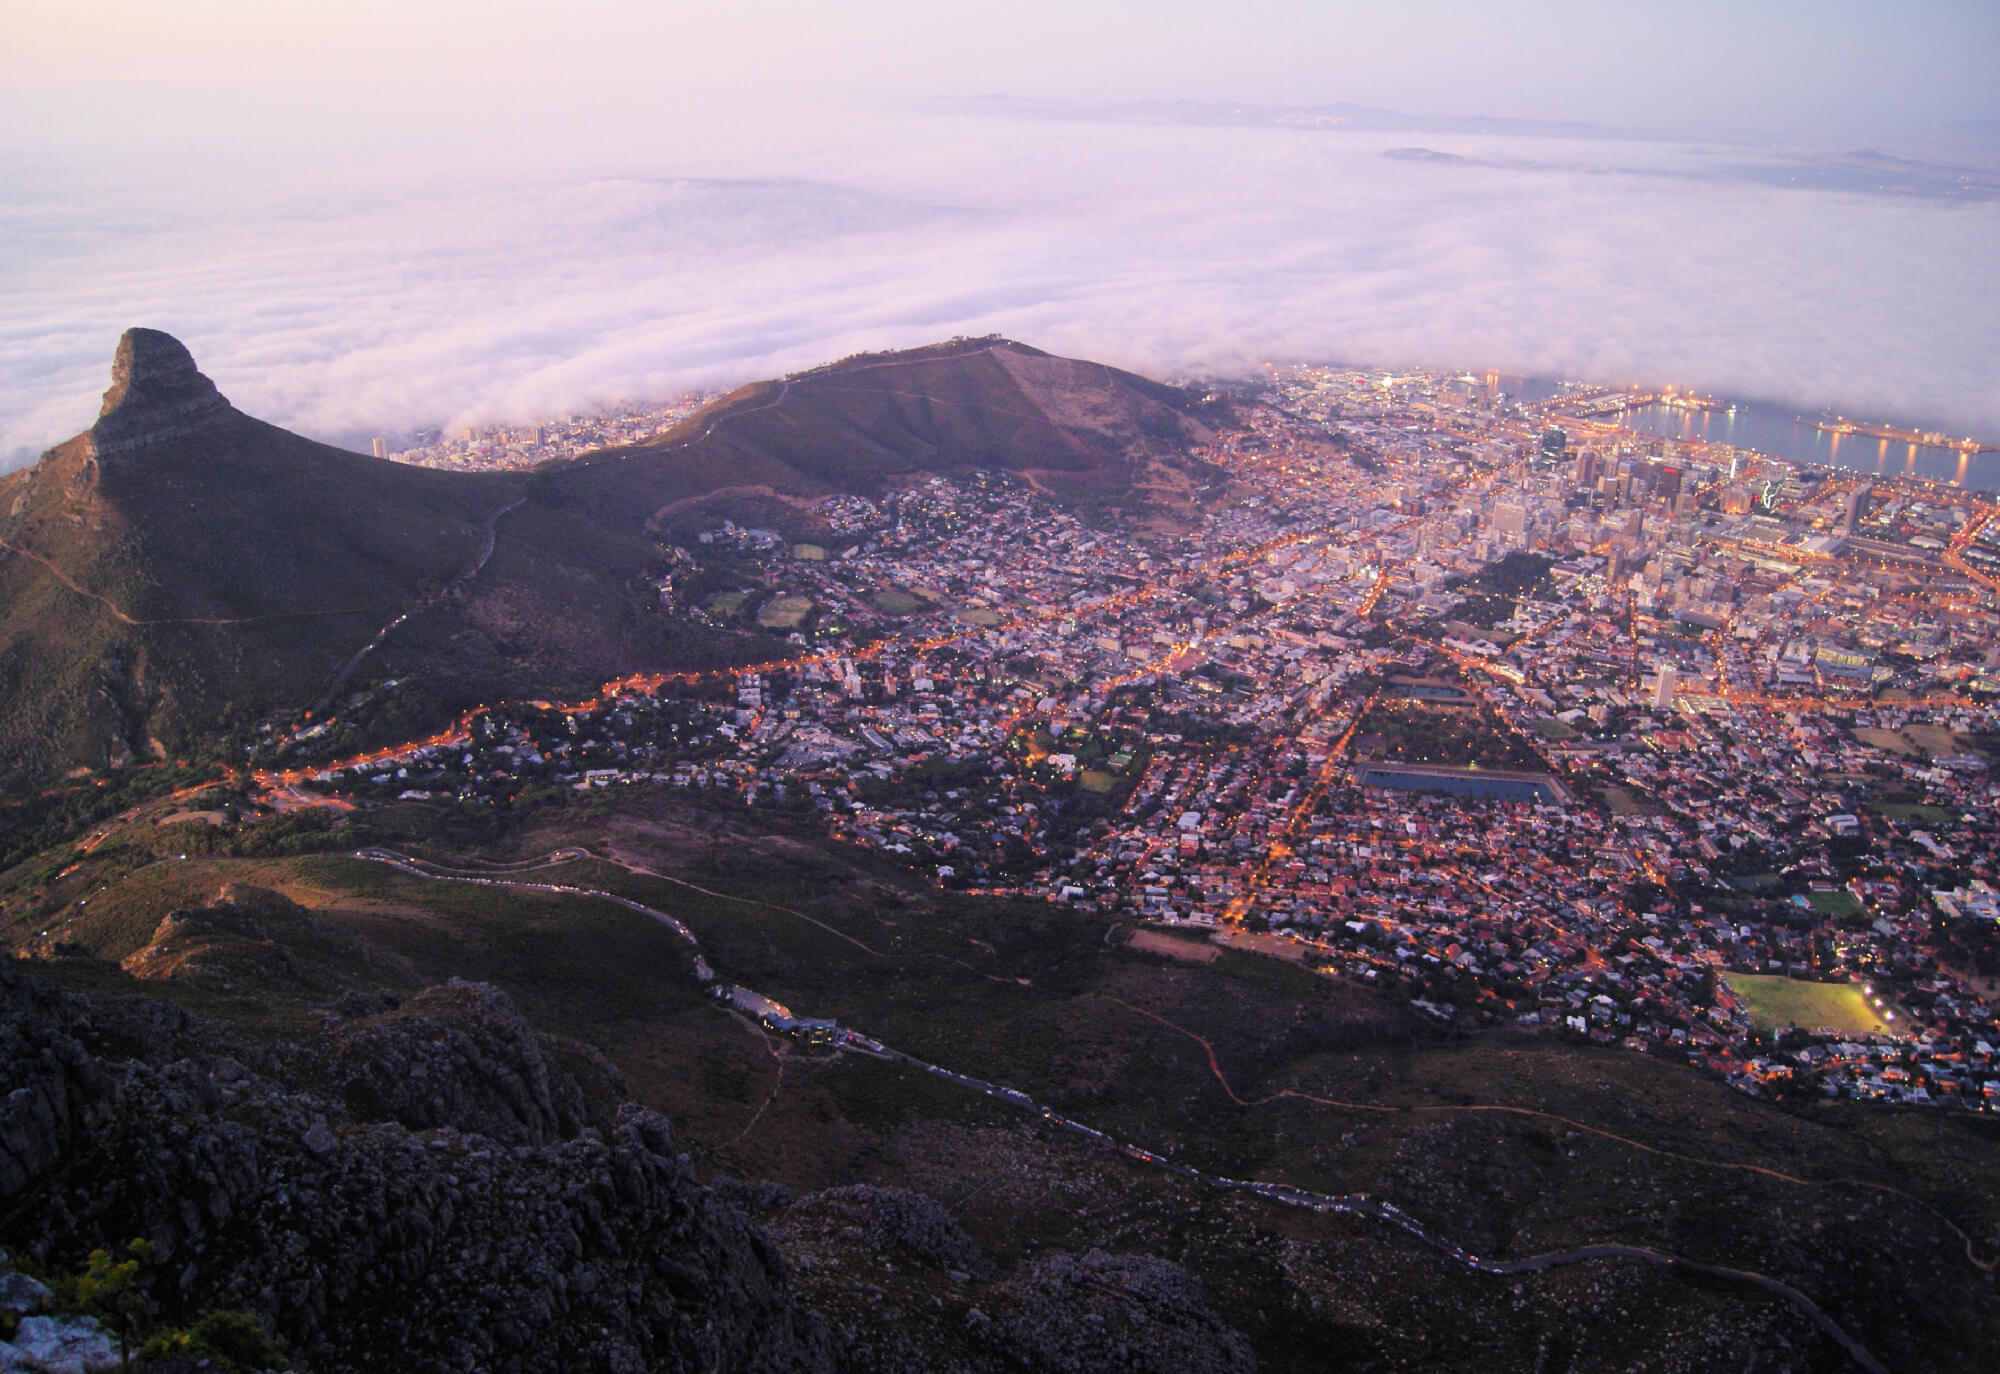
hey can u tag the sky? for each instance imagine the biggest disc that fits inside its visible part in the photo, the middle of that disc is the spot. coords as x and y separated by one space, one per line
377 217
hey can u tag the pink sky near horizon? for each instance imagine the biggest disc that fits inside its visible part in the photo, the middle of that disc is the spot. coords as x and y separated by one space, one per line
378 217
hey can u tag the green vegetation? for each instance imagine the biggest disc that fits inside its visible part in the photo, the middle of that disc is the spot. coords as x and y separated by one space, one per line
844 427
1933 739
1621 802
114 1290
108 1289
235 1341
323 547
576 962
1253 1066
1913 741
1776 1003
1038 998
1908 811
785 613
1402 730
895 601
1888 740
36 823
269 559
1482 613
1516 574
1836 903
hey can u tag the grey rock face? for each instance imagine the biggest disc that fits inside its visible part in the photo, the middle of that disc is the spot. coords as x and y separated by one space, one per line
457 1055
21 1294
896 1223
367 1244
1132 1312
156 394
53 1345
909 1292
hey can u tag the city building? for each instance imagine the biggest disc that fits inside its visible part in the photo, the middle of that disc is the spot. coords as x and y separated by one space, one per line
1857 507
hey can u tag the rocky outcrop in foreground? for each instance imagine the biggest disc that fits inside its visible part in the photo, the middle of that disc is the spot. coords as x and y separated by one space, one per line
461 1056
907 1291
430 1184
536 1244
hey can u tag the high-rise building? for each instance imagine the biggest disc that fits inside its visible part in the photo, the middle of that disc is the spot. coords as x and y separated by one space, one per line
1666 481
1586 466
1555 443
381 447
1664 688
1857 507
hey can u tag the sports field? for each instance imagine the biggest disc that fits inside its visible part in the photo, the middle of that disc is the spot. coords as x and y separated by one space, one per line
895 601
786 613
1836 903
1776 1003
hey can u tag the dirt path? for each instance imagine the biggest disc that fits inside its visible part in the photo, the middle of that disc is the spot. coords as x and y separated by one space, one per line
611 857
1971 1252
422 604
123 618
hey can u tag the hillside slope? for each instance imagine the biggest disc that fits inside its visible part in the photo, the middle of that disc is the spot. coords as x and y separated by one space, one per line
1512 1143
1080 429
180 560
181 569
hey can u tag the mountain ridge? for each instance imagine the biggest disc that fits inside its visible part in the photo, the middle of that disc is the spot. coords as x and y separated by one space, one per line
1079 429
181 568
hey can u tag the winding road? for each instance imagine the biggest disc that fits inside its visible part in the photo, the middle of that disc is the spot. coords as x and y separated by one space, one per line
1350 1204
424 603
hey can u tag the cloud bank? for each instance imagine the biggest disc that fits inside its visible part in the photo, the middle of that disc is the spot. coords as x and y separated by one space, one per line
347 293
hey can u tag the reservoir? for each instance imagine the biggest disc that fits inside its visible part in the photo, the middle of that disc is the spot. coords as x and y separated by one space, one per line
1476 784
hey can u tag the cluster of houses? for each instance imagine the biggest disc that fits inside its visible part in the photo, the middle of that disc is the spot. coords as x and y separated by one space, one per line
1724 762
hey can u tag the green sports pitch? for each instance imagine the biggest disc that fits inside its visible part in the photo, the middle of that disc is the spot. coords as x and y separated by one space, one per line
1777 1002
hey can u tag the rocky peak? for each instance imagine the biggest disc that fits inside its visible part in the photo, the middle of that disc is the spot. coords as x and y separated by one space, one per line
157 393
458 1055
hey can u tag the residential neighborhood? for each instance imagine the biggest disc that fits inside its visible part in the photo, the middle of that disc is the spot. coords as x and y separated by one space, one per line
1543 721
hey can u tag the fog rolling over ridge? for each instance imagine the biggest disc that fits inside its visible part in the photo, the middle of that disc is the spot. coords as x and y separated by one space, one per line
379 270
